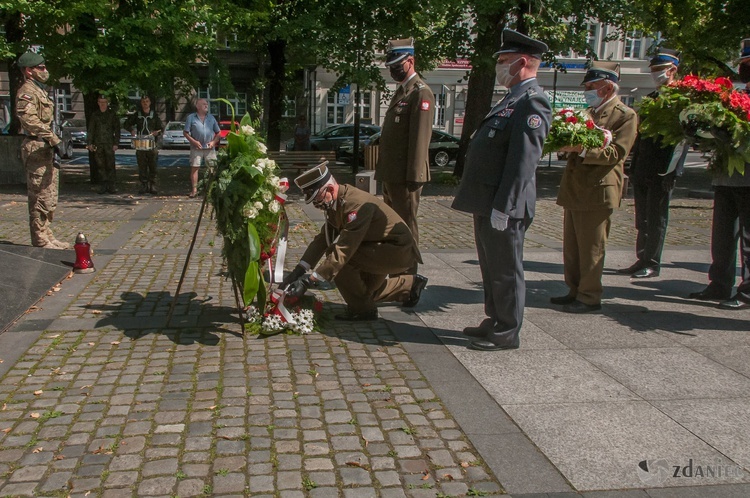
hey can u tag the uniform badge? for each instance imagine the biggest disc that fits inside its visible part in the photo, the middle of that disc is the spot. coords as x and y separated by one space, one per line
351 216
534 121
505 113
26 96
425 105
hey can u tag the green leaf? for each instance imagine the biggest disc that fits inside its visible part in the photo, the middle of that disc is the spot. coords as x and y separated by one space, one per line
262 291
254 240
252 282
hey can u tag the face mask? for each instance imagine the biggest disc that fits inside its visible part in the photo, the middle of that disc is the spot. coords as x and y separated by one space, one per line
745 73
41 76
660 77
502 74
398 73
592 98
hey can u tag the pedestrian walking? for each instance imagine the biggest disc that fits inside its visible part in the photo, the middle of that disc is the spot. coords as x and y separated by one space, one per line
362 241
653 172
404 159
103 138
498 188
36 112
591 188
203 132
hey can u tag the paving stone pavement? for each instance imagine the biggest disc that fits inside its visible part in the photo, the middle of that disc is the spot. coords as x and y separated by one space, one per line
100 396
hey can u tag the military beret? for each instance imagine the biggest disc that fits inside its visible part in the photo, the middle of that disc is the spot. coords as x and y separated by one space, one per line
399 50
665 56
515 42
602 70
30 59
312 180
745 50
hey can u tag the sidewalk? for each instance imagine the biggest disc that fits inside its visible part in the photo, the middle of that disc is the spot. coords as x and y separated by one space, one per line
100 397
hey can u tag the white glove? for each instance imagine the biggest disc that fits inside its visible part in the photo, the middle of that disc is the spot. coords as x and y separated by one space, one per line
499 220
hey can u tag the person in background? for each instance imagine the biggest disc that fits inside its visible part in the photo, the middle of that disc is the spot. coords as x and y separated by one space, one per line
103 137
301 134
36 112
591 188
203 133
404 152
143 123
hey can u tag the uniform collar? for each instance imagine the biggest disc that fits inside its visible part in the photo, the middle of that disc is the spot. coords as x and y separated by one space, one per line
520 87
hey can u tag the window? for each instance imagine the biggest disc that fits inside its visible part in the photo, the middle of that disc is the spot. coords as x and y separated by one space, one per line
439 119
633 45
334 109
64 97
221 110
365 106
290 108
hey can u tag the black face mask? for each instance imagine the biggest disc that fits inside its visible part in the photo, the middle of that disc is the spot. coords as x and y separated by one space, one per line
398 73
745 73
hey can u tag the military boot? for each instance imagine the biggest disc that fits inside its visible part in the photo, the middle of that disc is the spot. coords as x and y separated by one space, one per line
144 188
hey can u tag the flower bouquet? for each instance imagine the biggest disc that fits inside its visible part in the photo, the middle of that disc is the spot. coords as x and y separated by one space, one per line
248 199
711 114
571 127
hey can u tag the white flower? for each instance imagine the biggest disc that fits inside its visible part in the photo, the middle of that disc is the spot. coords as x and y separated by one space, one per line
247 130
250 212
303 322
273 323
258 205
262 147
274 180
274 206
267 196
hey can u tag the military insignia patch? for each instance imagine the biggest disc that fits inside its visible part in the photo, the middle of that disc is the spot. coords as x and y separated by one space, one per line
425 105
505 113
351 216
534 121
26 96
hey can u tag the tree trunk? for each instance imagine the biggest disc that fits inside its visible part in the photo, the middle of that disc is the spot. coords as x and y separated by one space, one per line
276 76
481 85
89 106
14 34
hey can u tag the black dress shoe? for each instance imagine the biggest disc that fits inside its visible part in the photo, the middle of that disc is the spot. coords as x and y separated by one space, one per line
567 299
734 304
710 294
646 273
631 269
491 346
579 307
364 316
417 287
481 331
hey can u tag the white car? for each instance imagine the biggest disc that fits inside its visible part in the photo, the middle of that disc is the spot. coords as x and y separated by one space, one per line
173 137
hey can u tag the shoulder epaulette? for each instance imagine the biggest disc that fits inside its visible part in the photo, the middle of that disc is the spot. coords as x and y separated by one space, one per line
420 85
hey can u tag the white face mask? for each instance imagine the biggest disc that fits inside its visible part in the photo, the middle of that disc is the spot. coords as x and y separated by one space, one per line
660 77
502 74
592 98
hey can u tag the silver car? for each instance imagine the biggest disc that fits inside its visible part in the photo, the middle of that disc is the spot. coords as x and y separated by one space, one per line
173 137
73 134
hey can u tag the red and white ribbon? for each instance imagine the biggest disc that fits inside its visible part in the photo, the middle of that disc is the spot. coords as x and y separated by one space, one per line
277 298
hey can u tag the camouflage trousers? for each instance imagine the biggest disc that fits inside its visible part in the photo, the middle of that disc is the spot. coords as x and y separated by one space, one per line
42 184
147 160
105 162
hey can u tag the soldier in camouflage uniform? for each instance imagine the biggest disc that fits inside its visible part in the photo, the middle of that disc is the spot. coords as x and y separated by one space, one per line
103 137
36 112
143 123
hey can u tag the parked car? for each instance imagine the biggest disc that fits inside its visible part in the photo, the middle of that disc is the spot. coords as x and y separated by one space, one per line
72 134
173 137
331 138
126 139
224 128
443 148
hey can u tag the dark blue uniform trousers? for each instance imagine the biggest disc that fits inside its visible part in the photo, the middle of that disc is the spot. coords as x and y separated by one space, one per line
651 219
731 222
501 262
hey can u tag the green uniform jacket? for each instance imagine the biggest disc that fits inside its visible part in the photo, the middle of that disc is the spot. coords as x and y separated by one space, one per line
404 152
36 112
368 231
595 180
104 128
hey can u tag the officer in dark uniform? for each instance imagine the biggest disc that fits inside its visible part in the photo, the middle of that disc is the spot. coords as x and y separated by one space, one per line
404 152
498 187
143 123
653 171
362 242
731 222
103 137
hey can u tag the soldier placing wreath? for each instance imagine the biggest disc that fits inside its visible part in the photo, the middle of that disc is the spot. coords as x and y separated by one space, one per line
362 242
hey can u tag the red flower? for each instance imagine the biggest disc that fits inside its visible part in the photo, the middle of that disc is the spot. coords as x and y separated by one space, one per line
264 256
272 251
590 124
724 82
317 306
571 119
